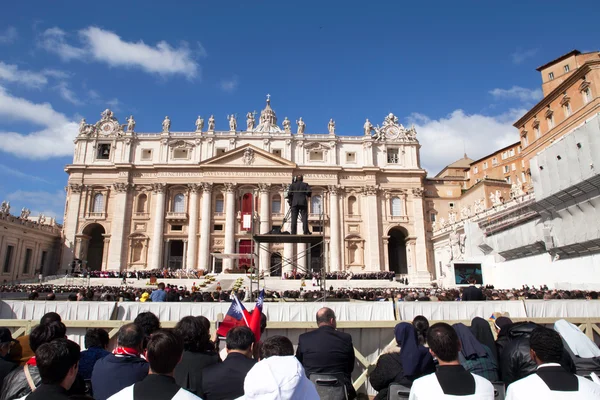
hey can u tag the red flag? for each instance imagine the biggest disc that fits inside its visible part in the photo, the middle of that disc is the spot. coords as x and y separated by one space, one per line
256 314
237 315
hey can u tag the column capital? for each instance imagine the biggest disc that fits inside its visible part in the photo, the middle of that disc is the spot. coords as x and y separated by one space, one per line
418 192
76 187
207 187
335 190
370 190
264 187
230 187
194 187
121 187
159 187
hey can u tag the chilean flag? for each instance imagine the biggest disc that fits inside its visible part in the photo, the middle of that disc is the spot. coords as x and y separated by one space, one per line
256 314
237 315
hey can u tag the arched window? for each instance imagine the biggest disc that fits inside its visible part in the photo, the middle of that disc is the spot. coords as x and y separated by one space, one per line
352 250
396 207
141 203
179 203
316 204
352 206
276 204
98 204
219 203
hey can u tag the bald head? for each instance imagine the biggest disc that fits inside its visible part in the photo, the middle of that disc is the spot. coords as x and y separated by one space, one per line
326 317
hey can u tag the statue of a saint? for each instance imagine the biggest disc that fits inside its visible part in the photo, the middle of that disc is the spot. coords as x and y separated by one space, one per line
130 123
464 212
495 199
368 127
166 125
211 123
5 208
301 126
107 114
82 126
42 219
331 126
451 217
478 206
442 222
411 134
232 122
199 124
250 121
287 125
25 213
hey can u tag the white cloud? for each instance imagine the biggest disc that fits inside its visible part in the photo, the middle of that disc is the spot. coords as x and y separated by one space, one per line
516 92
444 140
92 94
55 139
51 204
53 40
6 170
67 94
229 85
521 55
108 47
9 35
12 74
56 73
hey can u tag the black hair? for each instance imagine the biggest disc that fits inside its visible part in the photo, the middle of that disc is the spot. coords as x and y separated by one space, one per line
194 334
44 333
131 335
149 324
96 337
324 315
205 322
276 346
54 359
239 338
547 344
421 325
263 323
50 317
443 341
72 297
164 351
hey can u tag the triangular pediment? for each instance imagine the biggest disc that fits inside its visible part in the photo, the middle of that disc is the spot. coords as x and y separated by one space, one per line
247 156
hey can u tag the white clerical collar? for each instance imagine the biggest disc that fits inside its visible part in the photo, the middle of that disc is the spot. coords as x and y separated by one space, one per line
549 365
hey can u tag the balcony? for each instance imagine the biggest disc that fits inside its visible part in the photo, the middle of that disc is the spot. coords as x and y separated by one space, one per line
317 217
141 215
96 215
399 218
176 216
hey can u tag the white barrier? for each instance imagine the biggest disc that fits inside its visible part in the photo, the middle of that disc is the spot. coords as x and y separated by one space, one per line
454 310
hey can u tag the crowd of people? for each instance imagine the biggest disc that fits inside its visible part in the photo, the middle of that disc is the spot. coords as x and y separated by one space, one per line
141 274
188 362
341 275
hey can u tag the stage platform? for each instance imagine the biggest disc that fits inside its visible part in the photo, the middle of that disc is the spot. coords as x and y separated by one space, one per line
284 238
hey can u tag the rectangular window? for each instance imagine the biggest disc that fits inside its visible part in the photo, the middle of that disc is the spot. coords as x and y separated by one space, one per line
351 157
8 258
506 169
523 163
103 151
277 152
508 179
511 152
525 141
146 154
550 122
43 261
219 206
316 155
537 132
26 264
220 151
567 68
392 156
176 227
523 177
587 95
494 161
551 76
485 165
432 217
218 227
181 154
276 206
567 108
514 167
475 170
317 228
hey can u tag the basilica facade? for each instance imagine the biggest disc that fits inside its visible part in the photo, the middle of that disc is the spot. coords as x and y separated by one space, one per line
193 199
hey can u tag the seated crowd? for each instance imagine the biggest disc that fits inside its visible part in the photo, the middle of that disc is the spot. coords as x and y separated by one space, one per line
437 362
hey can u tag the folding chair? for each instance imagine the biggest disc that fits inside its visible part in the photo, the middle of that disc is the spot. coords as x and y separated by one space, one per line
330 386
398 392
499 390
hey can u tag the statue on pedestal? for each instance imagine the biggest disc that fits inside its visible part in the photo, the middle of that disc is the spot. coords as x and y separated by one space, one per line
368 127
5 208
250 121
495 199
331 126
166 124
199 124
301 126
464 212
25 213
42 219
211 123
232 122
130 123
82 126
478 206
287 125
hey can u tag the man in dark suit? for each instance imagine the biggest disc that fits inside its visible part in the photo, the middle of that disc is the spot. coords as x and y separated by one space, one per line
472 293
298 195
327 350
225 380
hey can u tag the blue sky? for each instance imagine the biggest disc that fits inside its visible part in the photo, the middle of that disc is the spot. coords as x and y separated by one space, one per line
462 72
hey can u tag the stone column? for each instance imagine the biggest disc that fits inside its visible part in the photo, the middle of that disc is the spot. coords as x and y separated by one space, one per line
334 226
105 252
420 270
263 253
301 256
386 251
205 226
157 241
117 231
71 223
373 259
368 152
184 258
192 242
229 224
288 248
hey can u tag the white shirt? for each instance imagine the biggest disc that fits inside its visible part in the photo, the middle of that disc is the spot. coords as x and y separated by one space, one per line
428 388
533 387
127 394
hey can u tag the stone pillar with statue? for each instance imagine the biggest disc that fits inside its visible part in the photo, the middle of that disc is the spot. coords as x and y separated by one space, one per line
157 243
230 218
204 263
264 258
420 274
117 230
192 241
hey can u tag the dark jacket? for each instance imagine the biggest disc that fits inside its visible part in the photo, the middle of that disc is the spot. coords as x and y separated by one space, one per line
49 392
472 293
16 386
327 351
5 368
515 361
188 373
225 380
389 370
584 366
298 193
113 373
87 360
